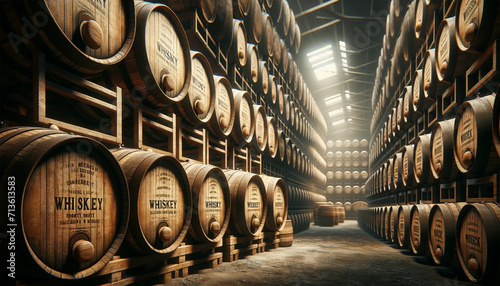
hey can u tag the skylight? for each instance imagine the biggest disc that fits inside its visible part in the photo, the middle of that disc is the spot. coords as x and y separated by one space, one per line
336 112
331 100
322 61
343 55
338 122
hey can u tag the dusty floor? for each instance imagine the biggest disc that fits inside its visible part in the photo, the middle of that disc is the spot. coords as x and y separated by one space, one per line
343 255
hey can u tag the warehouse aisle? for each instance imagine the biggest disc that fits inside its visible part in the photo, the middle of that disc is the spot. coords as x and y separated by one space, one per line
343 255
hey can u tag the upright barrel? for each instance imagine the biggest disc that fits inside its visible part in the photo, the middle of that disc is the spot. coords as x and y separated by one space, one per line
87 36
277 202
199 104
248 202
160 200
211 202
222 121
84 195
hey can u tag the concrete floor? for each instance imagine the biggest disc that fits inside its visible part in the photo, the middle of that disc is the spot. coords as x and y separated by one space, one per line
342 255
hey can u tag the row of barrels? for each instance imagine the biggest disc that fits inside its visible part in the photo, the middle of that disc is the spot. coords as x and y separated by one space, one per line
458 235
328 214
300 220
347 144
347 175
347 163
466 146
94 37
358 189
301 198
75 201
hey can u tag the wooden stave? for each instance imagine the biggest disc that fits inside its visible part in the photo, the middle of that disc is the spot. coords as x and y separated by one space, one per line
66 51
488 161
36 145
237 188
489 214
446 252
449 171
419 245
488 30
237 134
141 164
259 112
213 124
185 107
197 173
129 74
272 223
403 226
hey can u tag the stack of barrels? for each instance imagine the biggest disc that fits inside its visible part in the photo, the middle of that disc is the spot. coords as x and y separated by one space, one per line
105 200
347 171
434 151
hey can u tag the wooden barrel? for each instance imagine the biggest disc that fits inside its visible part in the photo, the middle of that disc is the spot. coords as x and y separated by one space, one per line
158 68
424 15
284 57
284 24
298 39
327 214
280 99
289 150
199 104
392 216
408 34
248 202
478 25
408 117
496 123
407 160
286 105
403 234
277 53
160 200
211 202
244 123
442 223
272 91
241 8
397 171
222 121
282 145
272 137
84 195
451 62
419 103
422 160
252 65
263 78
254 22
260 137
275 11
277 203
477 234
238 50
290 70
419 228
88 37
266 46
475 151
443 165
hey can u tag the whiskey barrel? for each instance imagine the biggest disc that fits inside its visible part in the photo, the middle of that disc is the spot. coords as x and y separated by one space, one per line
259 140
432 86
408 34
289 150
422 160
266 45
272 137
158 68
84 195
238 49
475 151
286 105
277 53
211 202
407 160
263 78
275 11
284 24
291 29
298 39
419 102
222 121
277 203
241 8
424 15
282 145
280 99
403 227
392 224
284 57
397 171
451 62
86 36
248 202
442 223
272 91
199 104
160 200
477 235
443 164
419 228
244 122
478 25
408 117
496 123
252 65
254 23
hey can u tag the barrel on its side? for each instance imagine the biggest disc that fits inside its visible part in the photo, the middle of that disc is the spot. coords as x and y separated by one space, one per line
211 202
272 137
248 202
222 121
238 49
404 226
259 140
84 195
496 123
408 170
244 126
443 164
160 208
419 228
422 160
277 202
477 234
